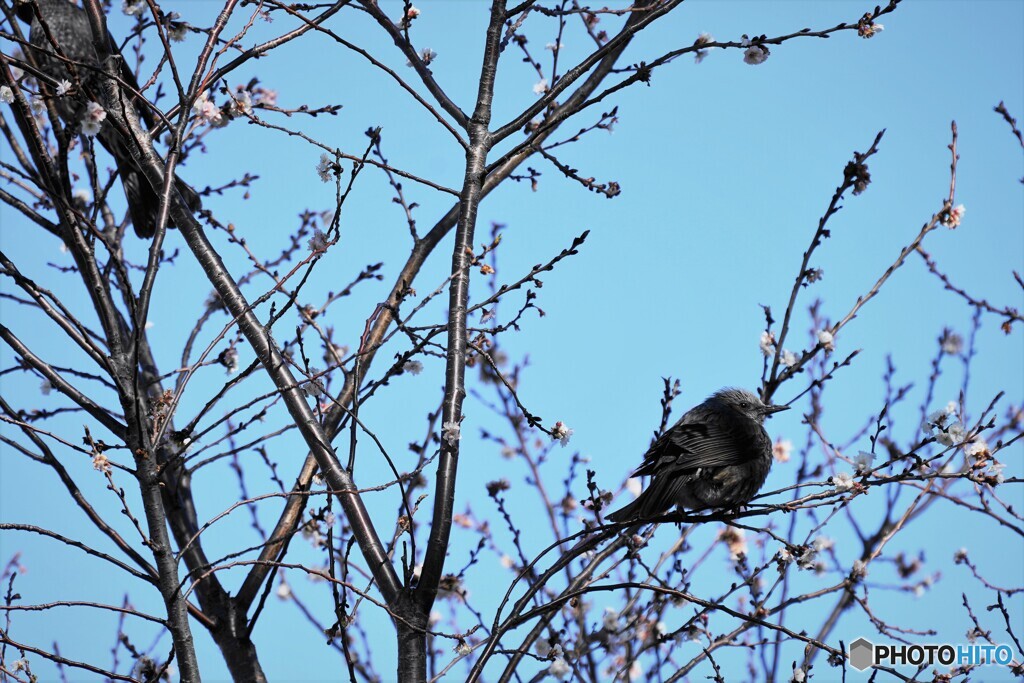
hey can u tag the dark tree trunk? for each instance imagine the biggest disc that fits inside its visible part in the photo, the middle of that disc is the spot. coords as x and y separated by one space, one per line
412 646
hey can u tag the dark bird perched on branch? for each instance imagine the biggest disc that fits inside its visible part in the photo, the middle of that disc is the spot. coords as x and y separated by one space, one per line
64 36
718 455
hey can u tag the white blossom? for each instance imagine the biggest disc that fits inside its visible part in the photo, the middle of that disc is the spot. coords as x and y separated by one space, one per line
954 434
6 94
408 17
702 52
767 343
177 31
229 359
101 463
781 450
562 433
324 168
266 96
463 648
602 495
799 676
862 463
81 196
451 432
318 242
311 533
45 387
93 119
735 539
755 54
133 8
866 28
952 218
315 386
978 448
63 88
860 569
426 56
560 668
826 340
610 622
808 558
241 101
952 343
540 87
634 486
784 556
843 481
413 367
788 358
207 111
939 418
37 105
284 591
822 543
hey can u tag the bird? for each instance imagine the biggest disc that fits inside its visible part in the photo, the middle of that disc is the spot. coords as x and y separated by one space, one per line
716 456
68 25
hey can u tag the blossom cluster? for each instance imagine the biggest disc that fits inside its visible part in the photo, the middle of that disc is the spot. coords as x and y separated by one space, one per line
239 104
767 345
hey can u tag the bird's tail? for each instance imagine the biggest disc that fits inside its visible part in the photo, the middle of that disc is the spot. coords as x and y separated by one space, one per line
650 502
627 512
143 200
658 498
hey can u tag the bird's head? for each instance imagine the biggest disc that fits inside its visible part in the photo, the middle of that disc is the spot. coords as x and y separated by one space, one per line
23 10
748 404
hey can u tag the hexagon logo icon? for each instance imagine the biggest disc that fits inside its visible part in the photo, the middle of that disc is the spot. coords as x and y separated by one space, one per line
862 654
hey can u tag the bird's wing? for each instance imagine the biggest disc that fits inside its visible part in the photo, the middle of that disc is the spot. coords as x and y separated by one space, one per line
69 25
711 442
128 77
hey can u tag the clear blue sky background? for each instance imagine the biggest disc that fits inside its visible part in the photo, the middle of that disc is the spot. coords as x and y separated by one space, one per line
725 169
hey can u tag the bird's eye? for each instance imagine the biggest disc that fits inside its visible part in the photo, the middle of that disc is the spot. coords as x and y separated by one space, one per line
744 405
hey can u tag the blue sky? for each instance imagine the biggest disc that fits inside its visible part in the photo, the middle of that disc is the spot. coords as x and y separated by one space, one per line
725 169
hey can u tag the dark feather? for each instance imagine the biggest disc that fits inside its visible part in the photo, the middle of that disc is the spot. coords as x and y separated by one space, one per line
69 26
717 455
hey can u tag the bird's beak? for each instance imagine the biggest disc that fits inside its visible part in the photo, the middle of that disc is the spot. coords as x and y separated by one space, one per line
771 410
